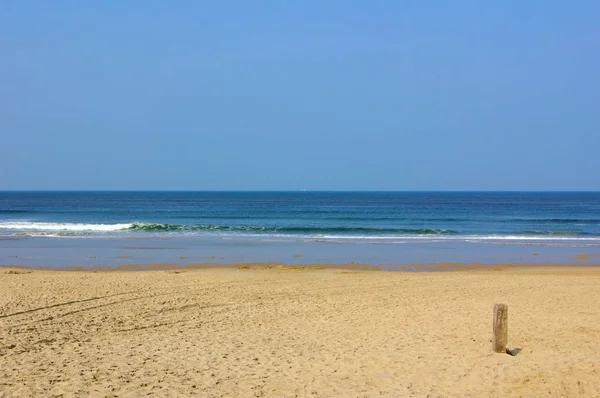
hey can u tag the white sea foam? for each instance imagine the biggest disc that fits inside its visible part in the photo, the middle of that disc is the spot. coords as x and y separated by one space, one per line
31 228
456 237
45 226
529 238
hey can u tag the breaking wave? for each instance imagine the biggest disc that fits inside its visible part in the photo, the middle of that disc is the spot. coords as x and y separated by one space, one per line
269 229
30 228
46 226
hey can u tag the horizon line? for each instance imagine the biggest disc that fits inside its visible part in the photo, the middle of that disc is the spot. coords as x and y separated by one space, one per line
302 190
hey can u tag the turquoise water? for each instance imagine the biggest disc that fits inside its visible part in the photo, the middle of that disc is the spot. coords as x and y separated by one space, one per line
382 227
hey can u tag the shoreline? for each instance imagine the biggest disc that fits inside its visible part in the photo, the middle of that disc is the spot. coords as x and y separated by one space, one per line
45 252
354 266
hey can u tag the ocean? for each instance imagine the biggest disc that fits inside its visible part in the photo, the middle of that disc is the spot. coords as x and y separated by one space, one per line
112 228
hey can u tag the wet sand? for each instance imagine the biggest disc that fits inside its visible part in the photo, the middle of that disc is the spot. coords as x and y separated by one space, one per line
272 330
112 252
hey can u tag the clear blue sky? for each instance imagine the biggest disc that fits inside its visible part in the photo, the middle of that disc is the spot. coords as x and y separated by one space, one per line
290 95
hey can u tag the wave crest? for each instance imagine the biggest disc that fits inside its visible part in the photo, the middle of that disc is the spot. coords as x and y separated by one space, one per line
149 227
25 228
46 226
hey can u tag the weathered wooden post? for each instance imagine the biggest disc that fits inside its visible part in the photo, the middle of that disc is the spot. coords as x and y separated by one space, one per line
500 337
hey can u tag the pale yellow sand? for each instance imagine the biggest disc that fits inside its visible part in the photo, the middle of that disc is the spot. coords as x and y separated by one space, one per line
225 332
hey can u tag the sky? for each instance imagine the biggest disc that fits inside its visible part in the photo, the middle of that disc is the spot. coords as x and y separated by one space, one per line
293 95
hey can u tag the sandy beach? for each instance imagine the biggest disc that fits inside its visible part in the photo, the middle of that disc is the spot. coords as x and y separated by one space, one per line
287 332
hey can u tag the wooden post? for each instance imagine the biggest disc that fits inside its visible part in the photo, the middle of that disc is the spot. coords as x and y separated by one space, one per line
500 337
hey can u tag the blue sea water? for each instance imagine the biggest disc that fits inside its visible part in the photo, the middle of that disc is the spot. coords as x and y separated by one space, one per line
54 228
